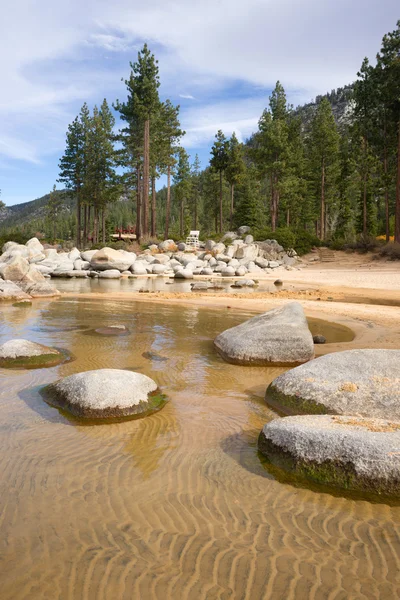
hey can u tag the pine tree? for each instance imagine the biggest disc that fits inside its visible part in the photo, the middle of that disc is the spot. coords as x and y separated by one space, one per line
72 164
235 169
248 209
195 179
324 154
271 153
170 133
219 161
389 64
53 209
139 111
182 185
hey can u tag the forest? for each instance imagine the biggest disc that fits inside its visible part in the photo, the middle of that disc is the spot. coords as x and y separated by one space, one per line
329 170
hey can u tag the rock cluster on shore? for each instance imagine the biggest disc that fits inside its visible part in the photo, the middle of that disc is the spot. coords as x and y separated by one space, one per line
359 447
25 269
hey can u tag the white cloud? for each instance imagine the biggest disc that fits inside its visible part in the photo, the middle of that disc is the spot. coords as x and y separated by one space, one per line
54 55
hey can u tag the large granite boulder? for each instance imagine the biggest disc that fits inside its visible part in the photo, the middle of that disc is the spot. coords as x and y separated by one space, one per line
167 246
341 451
15 269
28 355
105 394
10 291
364 383
108 259
278 337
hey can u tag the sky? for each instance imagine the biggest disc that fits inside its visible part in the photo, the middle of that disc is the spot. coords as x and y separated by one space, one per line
218 59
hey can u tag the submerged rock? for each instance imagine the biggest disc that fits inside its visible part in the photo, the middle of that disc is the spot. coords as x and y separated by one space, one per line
319 339
112 330
365 383
345 452
105 394
28 355
279 337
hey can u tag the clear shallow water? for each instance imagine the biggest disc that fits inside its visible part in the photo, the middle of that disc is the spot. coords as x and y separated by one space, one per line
176 505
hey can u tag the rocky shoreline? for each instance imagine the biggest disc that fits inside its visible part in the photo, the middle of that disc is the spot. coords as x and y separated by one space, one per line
25 270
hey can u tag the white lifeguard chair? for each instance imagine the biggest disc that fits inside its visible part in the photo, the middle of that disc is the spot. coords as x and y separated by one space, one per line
192 240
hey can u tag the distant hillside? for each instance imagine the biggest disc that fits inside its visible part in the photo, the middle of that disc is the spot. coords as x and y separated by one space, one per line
33 210
342 107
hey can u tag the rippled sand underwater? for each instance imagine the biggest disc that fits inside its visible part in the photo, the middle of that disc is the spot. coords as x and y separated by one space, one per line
176 505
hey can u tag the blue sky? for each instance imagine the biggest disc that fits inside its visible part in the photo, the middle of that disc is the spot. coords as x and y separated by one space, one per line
219 59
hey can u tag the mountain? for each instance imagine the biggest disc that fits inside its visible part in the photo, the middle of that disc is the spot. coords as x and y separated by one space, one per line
33 210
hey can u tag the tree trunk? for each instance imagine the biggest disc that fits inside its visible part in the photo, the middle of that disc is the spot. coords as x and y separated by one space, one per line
95 226
272 204
153 206
168 207
146 176
220 202
322 217
288 217
385 172
397 210
195 207
88 221
103 225
365 180
138 203
85 207
78 218
232 201
181 219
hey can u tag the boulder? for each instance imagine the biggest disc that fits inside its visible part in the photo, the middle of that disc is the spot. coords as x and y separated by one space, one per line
218 249
241 271
317 339
278 337
41 289
158 269
88 255
351 453
15 269
109 259
10 291
208 246
74 254
182 246
27 354
183 274
110 274
249 251
248 239
364 383
138 268
228 272
167 246
243 230
105 394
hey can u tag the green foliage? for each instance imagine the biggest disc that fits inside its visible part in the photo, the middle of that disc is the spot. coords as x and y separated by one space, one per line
301 240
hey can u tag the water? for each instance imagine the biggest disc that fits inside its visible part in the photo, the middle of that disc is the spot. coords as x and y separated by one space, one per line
176 505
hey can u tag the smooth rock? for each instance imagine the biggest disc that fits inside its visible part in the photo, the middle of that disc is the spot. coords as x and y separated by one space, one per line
318 339
243 230
278 337
105 394
27 354
348 452
364 383
108 259
10 291
110 274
